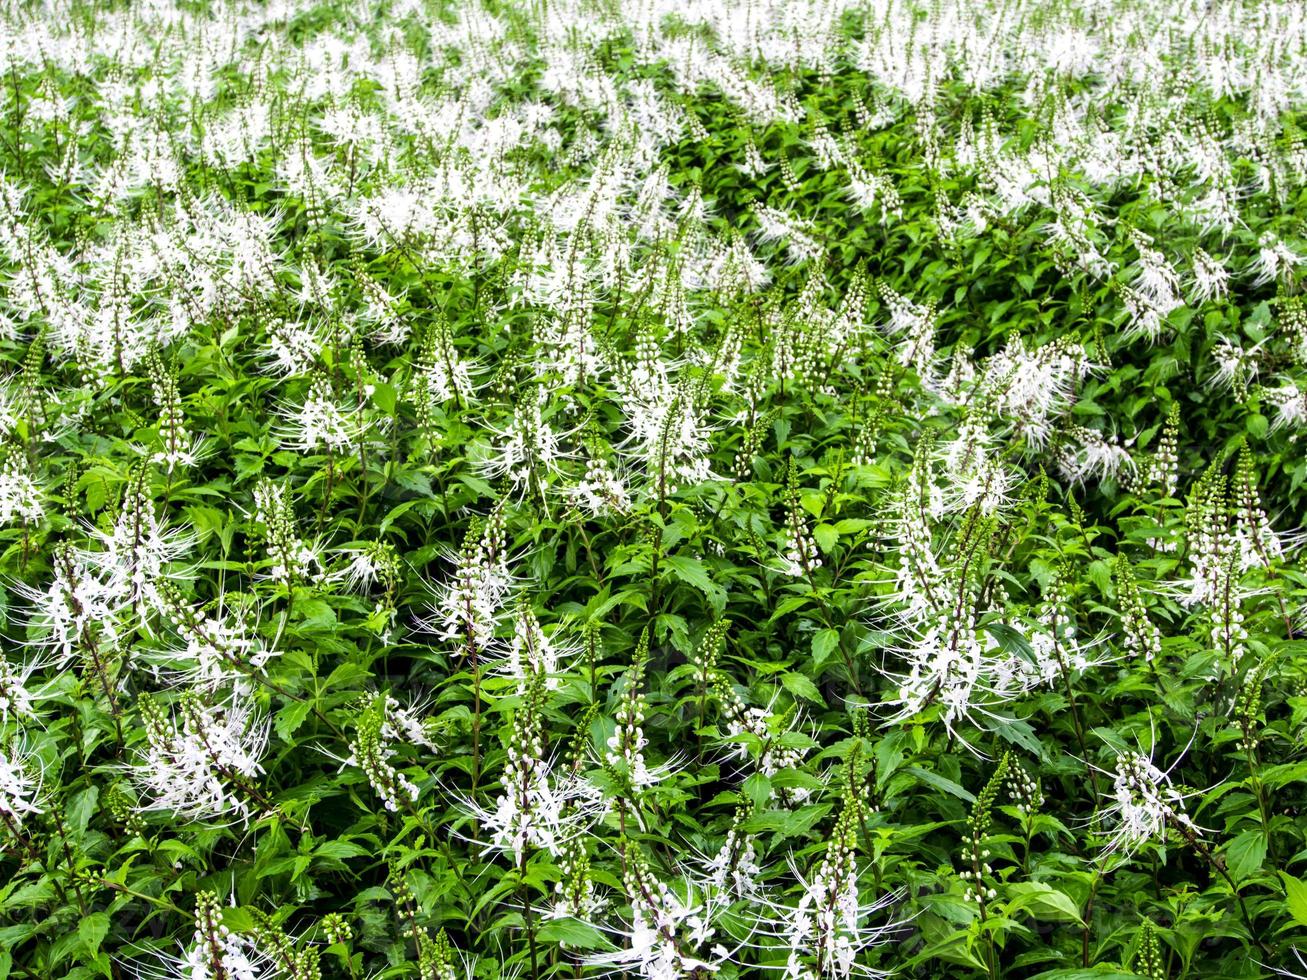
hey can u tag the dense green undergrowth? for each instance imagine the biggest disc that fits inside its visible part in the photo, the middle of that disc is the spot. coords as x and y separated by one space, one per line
672 490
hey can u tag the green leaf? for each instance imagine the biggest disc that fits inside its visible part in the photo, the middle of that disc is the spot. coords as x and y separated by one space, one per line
91 930
758 789
825 535
1277 776
941 782
572 934
1100 573
1021 734
316 614
290 717
384 397
1043 901
1245 854
1295 898
340 849
692 572
82 807
824 642
800 685
786 823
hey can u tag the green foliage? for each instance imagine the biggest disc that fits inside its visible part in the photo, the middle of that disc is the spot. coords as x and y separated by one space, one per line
485 493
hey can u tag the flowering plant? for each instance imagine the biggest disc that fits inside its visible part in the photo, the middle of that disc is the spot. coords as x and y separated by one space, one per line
676 489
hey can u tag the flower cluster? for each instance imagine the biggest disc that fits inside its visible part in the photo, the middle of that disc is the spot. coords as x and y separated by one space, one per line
1142 807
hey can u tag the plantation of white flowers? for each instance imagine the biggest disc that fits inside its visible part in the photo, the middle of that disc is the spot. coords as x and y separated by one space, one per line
562 489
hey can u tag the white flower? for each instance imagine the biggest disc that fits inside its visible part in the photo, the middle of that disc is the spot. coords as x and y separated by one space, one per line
217 953
20 496
77 610
216 650
961 669
291 556
1236 367
1274 259
382 728
1211 278
292 348
138 554
671 932
800 236
1088 453
1142 806
601 490
673 443
1289 402
201 760
537 807
826 930
528 450
19 785
529 652
1156 280
734 869
913 325
15 698
759 724
469 606
321 422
